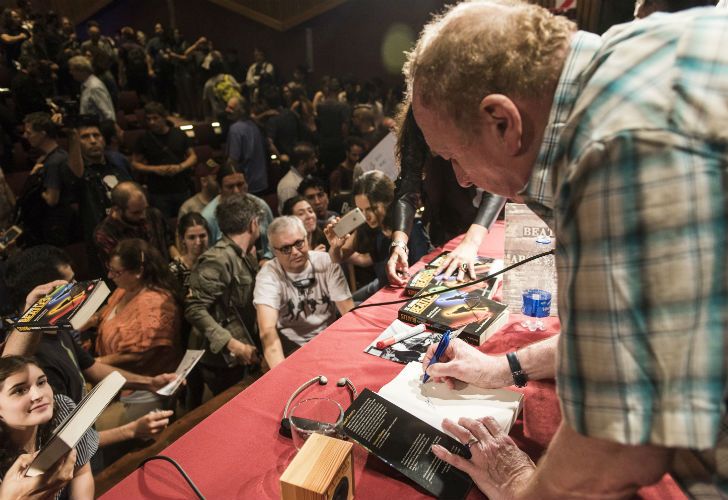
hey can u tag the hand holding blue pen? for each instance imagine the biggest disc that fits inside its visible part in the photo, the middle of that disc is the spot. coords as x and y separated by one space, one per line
441 348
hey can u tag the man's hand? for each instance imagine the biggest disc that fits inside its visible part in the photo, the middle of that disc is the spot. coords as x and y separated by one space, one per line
466 255
498 467
16 486
161 380
149 425
246 354
41 291
464 362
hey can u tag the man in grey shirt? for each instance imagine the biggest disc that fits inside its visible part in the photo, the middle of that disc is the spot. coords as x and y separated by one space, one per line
95 98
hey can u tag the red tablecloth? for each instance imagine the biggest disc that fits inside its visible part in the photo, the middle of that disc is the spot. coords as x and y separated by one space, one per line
237 452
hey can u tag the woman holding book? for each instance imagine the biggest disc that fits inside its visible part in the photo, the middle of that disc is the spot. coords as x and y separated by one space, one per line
29 411
139 327
369 245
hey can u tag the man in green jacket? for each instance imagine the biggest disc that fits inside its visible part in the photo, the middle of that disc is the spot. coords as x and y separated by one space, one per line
219 305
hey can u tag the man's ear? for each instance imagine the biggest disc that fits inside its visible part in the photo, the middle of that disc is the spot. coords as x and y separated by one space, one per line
501 117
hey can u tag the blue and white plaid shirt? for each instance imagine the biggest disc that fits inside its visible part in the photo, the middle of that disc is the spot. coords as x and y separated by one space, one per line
641 212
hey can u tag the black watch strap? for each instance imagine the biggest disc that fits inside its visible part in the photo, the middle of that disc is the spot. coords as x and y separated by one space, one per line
520 379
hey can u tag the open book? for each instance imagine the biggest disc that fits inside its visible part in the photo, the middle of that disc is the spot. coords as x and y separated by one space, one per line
432 402
71 430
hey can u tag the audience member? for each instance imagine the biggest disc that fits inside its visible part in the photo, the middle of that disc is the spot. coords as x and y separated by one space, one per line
232 181
209 189
283 126
341 179
298 293
95 98
141 321
47 214
135 65
100 172
370 245
12 36
193 236
29 412
130 217
314 190
219 304
101 51
258 69
165 154
303 163
332 118
246 146
218 89
299 206
366 127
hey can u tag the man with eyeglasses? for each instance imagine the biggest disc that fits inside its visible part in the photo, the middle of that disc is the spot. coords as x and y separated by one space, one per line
298 293
219 304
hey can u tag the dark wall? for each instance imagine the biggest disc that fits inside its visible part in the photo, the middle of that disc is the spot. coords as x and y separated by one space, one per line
346 40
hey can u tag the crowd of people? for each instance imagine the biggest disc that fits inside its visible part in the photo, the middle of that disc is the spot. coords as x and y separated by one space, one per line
237 255
233 253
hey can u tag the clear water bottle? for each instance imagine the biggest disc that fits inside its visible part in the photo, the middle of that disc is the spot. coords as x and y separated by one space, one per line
537 299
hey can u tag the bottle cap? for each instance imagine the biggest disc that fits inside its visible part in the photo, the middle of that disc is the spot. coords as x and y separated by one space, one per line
536 303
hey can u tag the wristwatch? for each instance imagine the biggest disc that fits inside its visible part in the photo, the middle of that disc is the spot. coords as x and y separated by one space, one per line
401 244
520 379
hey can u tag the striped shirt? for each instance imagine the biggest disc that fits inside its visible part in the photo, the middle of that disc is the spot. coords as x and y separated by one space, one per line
641 208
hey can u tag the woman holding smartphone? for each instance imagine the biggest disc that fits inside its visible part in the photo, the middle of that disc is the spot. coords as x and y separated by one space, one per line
369 245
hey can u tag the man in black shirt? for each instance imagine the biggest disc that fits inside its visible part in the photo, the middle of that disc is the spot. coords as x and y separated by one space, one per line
46 210
165 155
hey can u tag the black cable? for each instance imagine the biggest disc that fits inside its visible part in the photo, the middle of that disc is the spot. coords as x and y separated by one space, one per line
179 468
467 283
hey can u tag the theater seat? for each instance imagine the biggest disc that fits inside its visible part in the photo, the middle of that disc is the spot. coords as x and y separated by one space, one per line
128 101
130 139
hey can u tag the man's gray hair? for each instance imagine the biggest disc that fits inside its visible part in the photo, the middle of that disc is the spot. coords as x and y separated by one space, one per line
286 223
236 212
81 63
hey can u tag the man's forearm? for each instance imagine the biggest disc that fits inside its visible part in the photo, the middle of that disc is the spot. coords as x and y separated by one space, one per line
22 343
577 466
272 347
538 360
115 435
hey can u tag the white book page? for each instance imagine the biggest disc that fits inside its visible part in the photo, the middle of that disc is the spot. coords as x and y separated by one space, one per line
432 402
188 362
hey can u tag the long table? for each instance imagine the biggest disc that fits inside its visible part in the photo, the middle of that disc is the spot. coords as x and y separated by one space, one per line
237 452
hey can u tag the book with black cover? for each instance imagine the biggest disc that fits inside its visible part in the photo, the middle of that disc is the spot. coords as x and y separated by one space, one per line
450 309
68 307
404 442
426 277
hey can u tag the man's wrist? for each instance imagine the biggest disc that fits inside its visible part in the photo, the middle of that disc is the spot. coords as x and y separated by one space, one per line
520 378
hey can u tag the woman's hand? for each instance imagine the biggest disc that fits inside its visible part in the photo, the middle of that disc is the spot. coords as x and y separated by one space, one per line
461 261
149 425
334 241
17 486
497 466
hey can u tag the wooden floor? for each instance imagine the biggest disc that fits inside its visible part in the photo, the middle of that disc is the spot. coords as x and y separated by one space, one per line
117 471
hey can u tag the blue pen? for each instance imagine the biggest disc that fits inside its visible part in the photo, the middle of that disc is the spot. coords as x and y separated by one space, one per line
441 348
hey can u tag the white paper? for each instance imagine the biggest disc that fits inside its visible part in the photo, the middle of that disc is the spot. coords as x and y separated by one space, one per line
185 367
406 350
432 402
382 157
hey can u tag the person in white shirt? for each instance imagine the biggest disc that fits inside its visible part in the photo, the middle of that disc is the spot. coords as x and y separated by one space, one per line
298 293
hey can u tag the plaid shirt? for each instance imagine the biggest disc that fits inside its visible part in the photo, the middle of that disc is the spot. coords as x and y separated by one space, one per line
640 214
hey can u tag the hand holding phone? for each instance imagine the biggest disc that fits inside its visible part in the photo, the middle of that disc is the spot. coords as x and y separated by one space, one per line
349 222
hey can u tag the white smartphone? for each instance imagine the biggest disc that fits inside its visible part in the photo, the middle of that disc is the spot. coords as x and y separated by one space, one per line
349 222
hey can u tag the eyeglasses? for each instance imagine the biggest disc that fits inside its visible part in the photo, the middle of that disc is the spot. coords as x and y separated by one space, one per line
287 249
113 273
